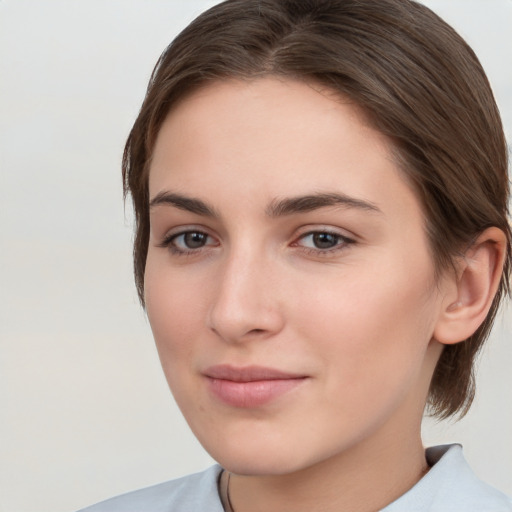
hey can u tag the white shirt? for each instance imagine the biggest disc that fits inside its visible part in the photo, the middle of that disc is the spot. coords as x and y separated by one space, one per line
449 486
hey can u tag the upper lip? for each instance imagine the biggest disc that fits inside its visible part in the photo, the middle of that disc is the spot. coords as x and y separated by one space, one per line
248 373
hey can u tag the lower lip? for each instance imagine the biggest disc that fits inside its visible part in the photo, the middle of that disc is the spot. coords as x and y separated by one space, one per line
251 394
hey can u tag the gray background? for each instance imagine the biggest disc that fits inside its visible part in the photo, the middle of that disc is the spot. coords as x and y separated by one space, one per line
84 409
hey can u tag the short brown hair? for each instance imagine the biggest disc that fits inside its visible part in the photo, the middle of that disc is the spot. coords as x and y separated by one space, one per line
416 78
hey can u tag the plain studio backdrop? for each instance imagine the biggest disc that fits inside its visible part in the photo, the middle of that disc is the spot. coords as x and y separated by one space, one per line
85 412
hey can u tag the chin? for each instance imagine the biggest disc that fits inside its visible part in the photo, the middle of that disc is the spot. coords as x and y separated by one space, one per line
261 458
264 464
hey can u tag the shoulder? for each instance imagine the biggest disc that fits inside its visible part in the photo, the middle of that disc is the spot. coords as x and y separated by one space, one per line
451 486
191 493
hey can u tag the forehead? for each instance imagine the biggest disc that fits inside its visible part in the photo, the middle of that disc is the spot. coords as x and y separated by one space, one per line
271 137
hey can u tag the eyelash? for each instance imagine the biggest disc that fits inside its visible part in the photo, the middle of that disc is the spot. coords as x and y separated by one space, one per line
342 242
169 242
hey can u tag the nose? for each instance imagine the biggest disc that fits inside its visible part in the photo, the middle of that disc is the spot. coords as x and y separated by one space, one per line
245 304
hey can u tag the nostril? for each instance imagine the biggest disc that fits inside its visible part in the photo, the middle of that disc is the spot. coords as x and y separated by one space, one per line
256 331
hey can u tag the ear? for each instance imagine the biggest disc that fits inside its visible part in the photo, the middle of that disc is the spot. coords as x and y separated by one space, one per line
469 294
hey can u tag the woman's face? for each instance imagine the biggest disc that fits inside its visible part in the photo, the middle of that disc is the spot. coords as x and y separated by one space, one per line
288 282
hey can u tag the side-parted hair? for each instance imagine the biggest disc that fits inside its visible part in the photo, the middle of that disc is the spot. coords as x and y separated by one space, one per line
417 80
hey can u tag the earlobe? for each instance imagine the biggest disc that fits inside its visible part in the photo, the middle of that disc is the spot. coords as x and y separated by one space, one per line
473 289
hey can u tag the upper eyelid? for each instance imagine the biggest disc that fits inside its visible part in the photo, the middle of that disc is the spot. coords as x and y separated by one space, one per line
180 230
333 230
325 231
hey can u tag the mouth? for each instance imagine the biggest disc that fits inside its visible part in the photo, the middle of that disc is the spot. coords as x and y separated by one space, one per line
250 386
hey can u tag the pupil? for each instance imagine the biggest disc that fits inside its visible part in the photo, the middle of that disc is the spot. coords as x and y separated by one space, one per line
324 240
195 240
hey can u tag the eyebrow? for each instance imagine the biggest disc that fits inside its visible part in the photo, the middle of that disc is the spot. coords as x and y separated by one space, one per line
307 203
188 204
277 208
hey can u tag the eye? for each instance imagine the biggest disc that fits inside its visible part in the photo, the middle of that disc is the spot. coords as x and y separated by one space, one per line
323 241
187 242
190 240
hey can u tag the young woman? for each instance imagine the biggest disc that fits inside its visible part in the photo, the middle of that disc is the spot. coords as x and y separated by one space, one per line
320 190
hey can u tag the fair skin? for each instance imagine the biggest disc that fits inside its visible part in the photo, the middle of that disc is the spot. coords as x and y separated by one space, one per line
334 295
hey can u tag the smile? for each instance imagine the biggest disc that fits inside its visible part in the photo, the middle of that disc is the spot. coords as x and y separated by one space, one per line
251 386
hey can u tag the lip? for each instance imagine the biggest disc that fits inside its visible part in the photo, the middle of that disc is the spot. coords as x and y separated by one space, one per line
250 386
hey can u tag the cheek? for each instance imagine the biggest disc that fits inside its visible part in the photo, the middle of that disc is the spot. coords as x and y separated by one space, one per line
173 310
173 319
361 325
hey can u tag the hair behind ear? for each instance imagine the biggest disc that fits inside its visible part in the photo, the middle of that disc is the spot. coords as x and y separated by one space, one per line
468 312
